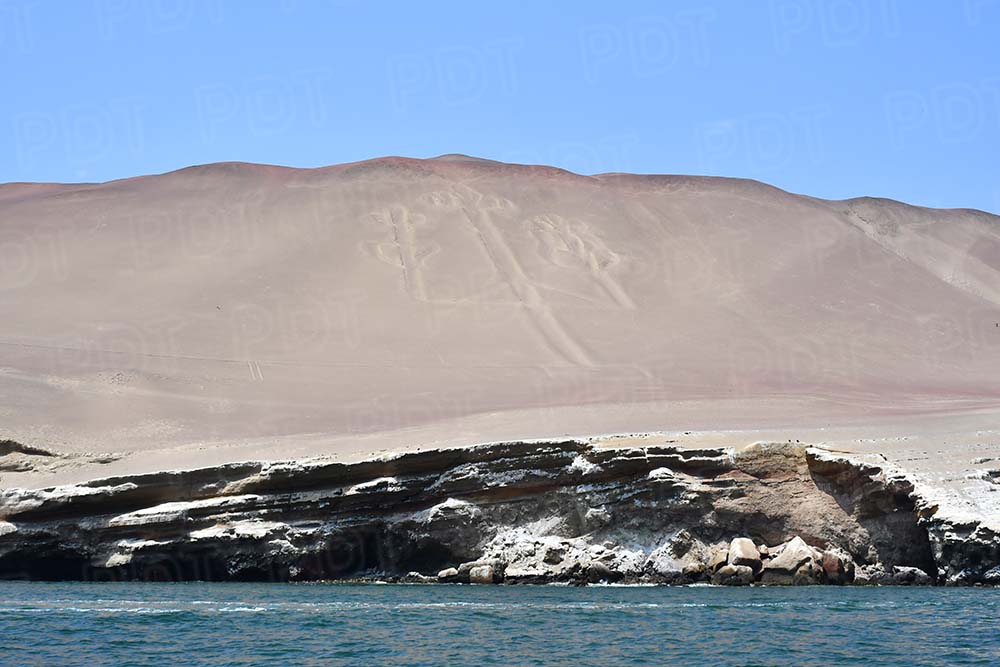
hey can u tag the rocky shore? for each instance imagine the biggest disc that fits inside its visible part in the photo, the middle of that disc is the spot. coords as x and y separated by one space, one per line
742 563
518 512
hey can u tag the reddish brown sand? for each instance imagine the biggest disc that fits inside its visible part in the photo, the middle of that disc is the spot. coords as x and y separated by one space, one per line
237 311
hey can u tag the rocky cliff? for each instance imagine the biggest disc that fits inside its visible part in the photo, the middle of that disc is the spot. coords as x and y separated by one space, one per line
516 512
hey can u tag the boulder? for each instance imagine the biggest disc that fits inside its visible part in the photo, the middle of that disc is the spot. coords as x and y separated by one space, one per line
694 571
838 568
733 575
910 576
871 575
718 558
598 571
596 518
742 551
662 567
448 575
992 576
554 555
481 574
465 569
782 568
808 574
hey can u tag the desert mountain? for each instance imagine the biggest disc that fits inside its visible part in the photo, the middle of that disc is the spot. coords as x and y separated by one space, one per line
235 311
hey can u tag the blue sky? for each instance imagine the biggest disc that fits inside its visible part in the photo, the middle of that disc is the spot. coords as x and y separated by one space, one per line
835 99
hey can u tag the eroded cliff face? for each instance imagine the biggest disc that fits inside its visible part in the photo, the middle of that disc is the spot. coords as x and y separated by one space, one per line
513 512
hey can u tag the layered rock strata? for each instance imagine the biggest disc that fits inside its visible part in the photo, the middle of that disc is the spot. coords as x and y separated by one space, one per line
516 512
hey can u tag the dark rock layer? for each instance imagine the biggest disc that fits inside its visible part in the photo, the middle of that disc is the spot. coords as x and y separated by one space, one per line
518 512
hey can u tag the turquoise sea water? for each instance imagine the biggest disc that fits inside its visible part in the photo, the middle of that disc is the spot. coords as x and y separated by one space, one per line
284 624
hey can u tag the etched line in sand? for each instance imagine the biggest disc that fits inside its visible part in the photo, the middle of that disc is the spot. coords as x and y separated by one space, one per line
403 250
406 243
255 372
572 244
539 312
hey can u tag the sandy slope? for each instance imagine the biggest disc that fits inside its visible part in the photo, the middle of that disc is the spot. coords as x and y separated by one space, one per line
236 311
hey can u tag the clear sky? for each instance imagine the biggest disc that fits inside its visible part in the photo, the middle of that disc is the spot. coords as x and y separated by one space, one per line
896 98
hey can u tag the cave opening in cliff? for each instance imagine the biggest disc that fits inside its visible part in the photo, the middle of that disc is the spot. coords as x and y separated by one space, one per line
423 556
53 566
345 554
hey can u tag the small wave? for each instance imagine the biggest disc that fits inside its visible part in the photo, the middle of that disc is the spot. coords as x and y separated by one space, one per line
91 610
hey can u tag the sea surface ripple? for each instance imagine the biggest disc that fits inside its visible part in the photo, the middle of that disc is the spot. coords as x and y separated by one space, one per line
137 624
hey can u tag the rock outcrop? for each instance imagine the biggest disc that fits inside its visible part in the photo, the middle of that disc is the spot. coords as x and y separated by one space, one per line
786 565
517 512
742 551
481 574
733 575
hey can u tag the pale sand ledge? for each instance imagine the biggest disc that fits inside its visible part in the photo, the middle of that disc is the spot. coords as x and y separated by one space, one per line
916 435
964 489
952 456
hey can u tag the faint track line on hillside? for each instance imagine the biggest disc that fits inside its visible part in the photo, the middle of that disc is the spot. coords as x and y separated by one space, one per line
405 239
507 265
255 372
578 240
295 363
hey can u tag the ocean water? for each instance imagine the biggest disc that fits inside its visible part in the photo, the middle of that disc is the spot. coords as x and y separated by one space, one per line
304 625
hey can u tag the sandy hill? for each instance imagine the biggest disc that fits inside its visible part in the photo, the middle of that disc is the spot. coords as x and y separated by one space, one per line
235 311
